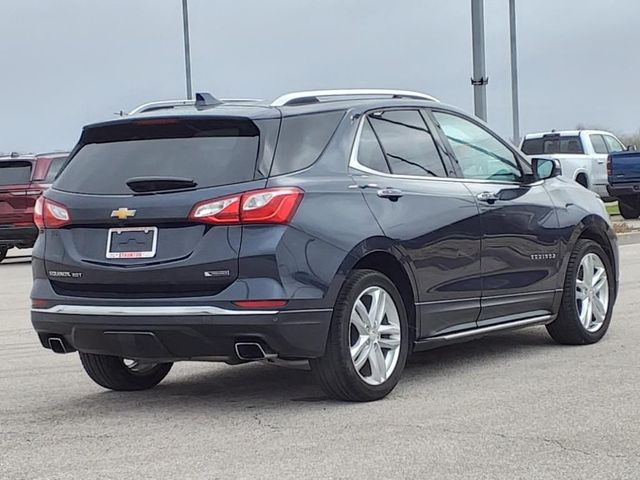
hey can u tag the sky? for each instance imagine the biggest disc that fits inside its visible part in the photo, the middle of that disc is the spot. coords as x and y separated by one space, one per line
67 63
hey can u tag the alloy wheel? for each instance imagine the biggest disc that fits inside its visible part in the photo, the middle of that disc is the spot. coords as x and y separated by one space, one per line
592 292
375 335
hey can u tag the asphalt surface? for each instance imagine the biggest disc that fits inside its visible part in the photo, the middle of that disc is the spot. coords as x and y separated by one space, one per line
512 405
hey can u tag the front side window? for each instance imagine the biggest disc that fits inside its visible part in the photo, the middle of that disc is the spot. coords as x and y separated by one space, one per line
598 144
408 146
613 145
480 155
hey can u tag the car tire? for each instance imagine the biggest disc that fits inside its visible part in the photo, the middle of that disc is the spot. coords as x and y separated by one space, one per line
3 252
378 343
587 304
115 373
628 212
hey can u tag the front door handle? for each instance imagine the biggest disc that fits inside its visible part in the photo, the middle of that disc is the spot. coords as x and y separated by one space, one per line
487 197
392 194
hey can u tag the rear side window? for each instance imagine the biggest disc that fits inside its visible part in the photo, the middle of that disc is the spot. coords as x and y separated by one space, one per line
598 144
407 143
54 168
302 139
613 145
15 173
370 154
211 152
552 144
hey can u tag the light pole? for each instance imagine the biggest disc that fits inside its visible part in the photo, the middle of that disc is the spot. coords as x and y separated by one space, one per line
514 73
187 49
479 80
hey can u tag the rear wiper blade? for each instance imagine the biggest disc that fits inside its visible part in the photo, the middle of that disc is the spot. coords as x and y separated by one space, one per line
159 184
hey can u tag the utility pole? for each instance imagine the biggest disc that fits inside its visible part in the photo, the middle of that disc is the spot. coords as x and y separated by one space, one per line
187 48
479 80
515 107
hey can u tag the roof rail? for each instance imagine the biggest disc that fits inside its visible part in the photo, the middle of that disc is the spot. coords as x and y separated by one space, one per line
203 100
297 98
162 105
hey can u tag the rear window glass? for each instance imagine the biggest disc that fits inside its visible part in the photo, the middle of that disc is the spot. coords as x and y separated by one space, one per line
552 145
302 139
15 173
209 152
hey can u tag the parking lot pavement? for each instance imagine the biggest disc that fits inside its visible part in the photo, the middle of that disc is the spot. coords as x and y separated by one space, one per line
513 405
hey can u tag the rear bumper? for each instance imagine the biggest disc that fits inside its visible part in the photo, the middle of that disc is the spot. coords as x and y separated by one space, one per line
183 333
23 237
624 190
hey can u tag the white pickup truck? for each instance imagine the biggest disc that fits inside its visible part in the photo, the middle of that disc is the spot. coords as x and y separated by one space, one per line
582 154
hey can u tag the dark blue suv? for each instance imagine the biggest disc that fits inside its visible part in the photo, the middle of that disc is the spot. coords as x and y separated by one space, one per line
348 228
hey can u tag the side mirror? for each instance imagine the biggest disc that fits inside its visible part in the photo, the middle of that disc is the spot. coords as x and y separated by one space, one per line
631 148
544 168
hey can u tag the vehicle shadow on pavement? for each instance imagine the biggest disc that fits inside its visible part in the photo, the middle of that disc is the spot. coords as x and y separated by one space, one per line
227 388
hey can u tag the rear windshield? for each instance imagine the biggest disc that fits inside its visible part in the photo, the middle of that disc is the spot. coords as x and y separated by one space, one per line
552 144
15 173
208 152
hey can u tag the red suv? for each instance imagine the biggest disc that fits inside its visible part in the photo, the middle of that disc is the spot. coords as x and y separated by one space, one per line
23 178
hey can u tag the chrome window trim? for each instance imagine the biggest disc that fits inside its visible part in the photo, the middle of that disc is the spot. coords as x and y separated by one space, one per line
353 163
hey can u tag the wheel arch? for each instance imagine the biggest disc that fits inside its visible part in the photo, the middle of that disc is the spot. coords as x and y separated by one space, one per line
582 173
597 229
382 255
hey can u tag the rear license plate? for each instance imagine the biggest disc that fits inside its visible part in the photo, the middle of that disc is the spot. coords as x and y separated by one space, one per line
132 242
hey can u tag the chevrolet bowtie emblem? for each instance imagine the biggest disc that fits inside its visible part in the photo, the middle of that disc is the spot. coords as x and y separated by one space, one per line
123 213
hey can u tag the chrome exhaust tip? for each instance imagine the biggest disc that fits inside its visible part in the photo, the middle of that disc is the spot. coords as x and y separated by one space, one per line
252 351
57 345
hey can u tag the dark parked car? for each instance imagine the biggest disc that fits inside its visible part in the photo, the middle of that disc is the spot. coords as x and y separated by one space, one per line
23 178
347 228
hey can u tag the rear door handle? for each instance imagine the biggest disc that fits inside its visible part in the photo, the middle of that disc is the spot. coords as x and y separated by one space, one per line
392 194
487 197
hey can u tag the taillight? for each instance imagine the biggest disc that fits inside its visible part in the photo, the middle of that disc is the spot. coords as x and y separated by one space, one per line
270 205
50 214
609 167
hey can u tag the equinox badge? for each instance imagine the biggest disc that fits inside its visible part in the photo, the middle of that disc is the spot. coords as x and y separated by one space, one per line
123 213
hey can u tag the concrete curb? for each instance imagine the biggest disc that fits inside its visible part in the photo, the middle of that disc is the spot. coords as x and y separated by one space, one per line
628 238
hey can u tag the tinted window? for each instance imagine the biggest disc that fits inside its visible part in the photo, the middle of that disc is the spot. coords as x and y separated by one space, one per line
408 146
598 144
613 145
480 155
302 139
210 152
551 144
12 173
54 167
369 151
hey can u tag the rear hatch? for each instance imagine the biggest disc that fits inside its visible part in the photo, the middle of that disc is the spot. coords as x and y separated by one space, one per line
15 210
129 189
